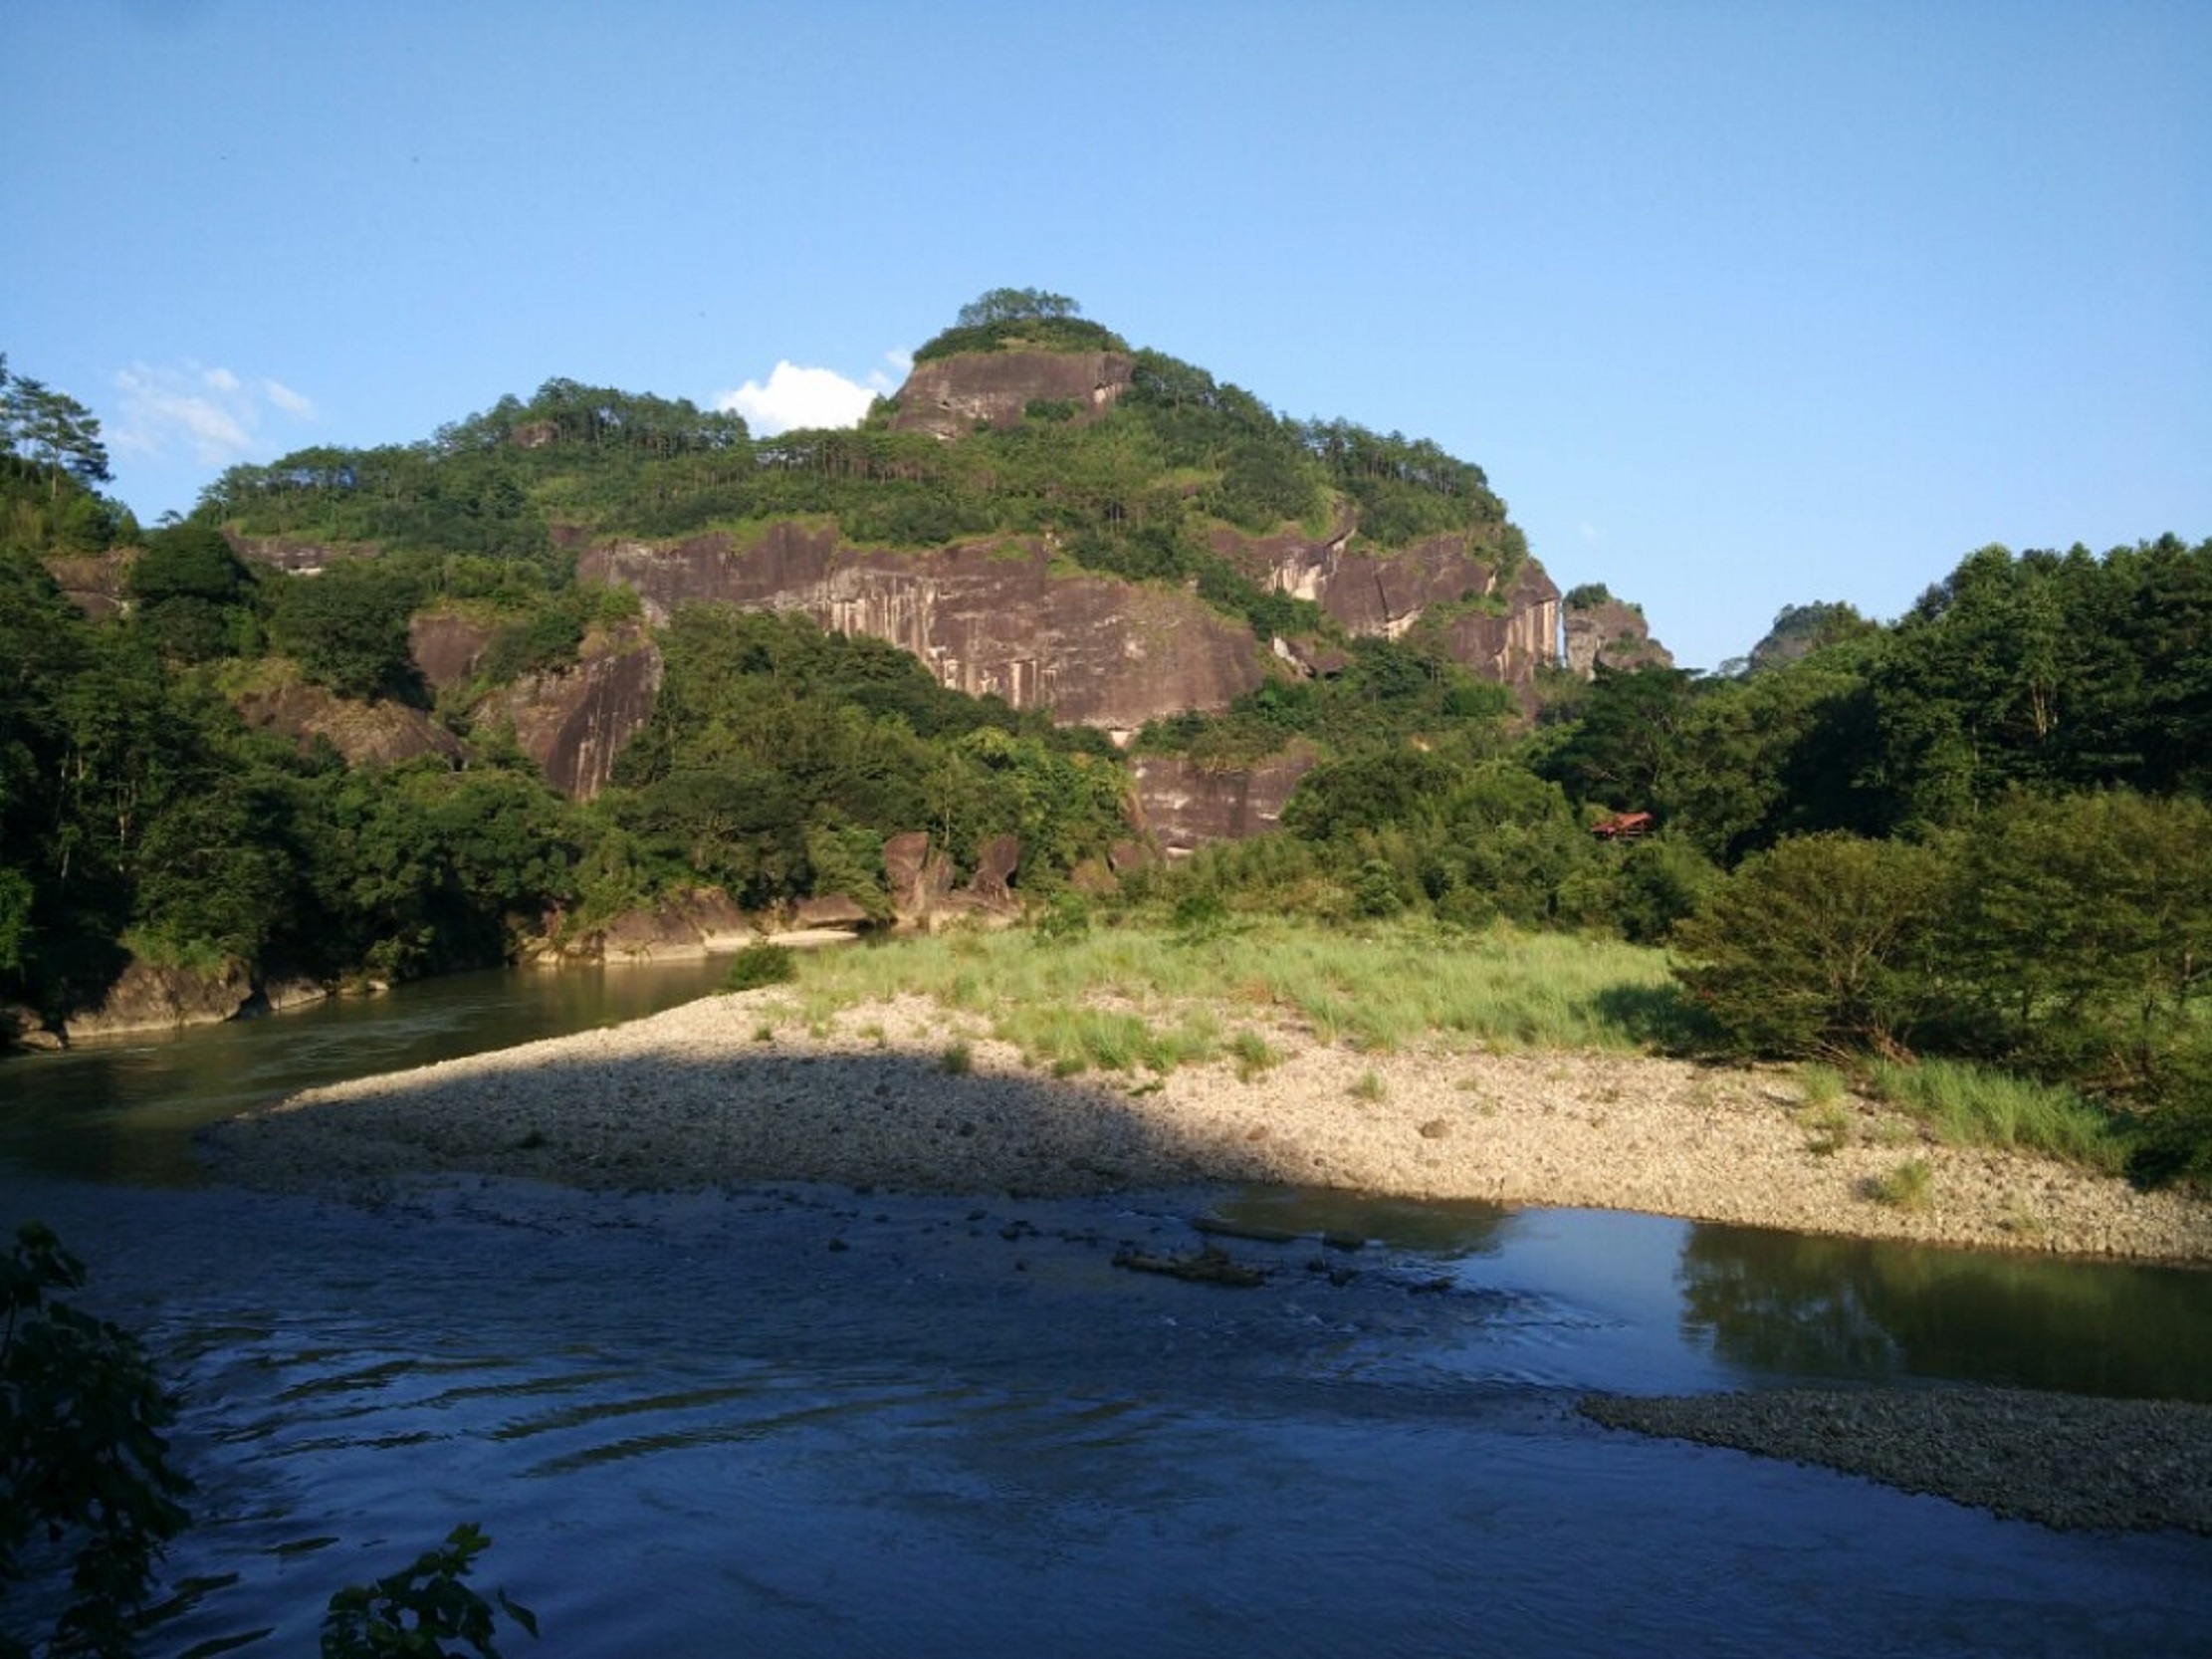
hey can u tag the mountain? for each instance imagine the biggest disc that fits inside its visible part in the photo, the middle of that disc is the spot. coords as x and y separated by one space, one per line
1040 513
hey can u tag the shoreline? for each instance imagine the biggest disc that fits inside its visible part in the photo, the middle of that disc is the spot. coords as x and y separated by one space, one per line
739 1087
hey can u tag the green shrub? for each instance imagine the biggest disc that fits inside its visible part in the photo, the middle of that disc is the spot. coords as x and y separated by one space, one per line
415 1612
84 1462
760 963
1823 945
1067 918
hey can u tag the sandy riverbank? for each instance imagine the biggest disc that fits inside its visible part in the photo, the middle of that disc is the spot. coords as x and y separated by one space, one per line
737 1088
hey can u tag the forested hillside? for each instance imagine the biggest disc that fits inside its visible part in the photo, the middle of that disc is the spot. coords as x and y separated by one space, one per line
1979 831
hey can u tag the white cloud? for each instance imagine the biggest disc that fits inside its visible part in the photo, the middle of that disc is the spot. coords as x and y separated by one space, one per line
209 415
795 395
287 399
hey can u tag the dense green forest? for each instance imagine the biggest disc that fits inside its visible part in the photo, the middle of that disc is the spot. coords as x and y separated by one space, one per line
1980 830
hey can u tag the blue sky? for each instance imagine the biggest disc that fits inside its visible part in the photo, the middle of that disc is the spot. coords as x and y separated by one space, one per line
1738 304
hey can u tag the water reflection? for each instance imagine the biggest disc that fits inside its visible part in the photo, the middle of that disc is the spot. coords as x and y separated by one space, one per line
126 1108
1434 1227
1797 1305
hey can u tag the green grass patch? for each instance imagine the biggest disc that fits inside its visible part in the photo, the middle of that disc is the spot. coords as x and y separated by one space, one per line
1819 1084
1124 999
1910 1186
1252 1055
1826 1128
1972 1105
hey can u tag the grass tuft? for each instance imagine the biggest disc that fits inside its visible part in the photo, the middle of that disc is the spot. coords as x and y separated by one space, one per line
1971 1105
1910 1186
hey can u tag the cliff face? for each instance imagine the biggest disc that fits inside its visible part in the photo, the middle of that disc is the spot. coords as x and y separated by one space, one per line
382 732
950 396
1184 805
988 619
1505 631
95 583
1613 635
446 647
576 722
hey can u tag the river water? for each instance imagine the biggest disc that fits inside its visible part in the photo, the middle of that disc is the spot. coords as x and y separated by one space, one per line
807 1421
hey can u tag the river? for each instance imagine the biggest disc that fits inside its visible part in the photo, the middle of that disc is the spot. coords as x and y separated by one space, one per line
807 1421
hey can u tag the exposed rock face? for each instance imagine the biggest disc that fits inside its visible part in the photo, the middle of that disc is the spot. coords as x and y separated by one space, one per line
830 910
22 1027
989 619
294 554
576 722
1512 646
950 396
94 582
148 998
446 647
682 927
1184 804
1386 594
995 869
1614 635
382 732
917 876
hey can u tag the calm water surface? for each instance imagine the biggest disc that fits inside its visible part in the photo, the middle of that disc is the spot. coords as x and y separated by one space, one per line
806 1421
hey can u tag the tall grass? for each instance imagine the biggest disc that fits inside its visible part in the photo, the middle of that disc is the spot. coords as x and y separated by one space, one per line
1970 1106
1124 998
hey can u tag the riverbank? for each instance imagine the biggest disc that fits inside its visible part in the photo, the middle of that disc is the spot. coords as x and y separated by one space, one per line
2064 1461
902 1094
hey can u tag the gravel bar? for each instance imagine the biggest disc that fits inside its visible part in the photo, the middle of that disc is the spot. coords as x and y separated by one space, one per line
2063 1460
741 1088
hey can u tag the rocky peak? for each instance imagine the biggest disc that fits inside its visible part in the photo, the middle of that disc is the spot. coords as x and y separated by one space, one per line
1603 632
951 396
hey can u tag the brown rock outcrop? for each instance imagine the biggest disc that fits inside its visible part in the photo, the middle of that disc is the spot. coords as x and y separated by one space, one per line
1504 631
295 554
917 876
837 910
23 1027
446 647
576 722
1614 635
950 396
987 618
382 732
151 998
681 927
996 865
1184 804
95 583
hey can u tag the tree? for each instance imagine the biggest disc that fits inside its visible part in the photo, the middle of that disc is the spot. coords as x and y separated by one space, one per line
1014 305
2084 934
194 594
84 1462
52 429
1823 944
1624 745
348 626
